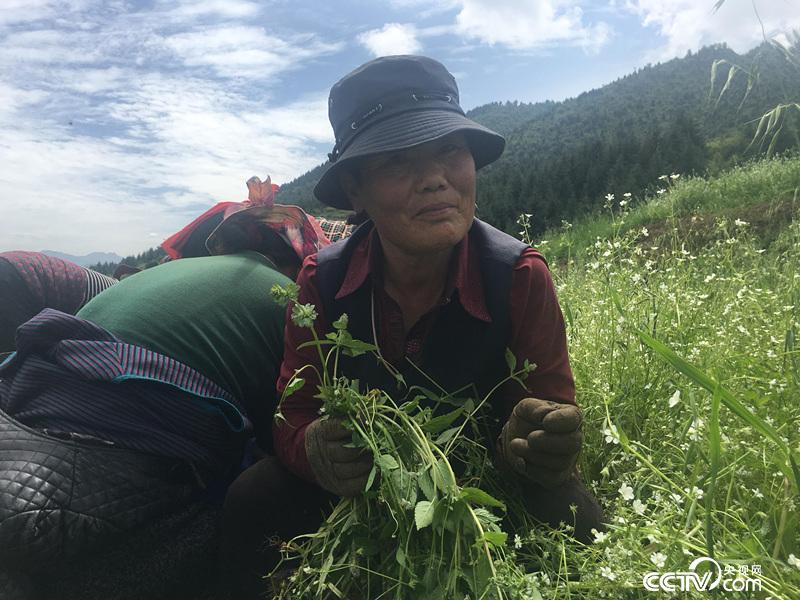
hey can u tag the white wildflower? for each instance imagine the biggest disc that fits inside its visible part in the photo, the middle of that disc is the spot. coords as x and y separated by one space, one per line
695 492
608 573
517 541
660 191
612 435
626 491
675 399
599 536
658 559
740 223
638 507
794 561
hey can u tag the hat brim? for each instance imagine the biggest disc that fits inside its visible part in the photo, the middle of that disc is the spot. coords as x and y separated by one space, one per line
402 131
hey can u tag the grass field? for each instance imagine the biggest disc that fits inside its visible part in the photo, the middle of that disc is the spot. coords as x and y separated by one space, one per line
686 463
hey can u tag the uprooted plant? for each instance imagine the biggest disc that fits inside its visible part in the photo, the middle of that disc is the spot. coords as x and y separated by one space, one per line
416 531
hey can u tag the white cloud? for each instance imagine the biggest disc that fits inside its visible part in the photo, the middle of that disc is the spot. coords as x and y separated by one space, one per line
217 8
196 143
245 51
689 25
115 123
392 38
529 24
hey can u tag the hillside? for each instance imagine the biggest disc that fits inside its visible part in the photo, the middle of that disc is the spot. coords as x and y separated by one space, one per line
562 157
764 194
87 259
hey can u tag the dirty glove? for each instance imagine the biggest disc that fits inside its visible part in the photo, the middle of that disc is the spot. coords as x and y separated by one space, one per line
541 441
338 469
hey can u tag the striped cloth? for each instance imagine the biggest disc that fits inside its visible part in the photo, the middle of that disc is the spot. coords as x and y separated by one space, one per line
96 283
72 376
335 230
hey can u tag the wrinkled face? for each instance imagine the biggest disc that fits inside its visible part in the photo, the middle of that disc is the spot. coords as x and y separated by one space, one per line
422 200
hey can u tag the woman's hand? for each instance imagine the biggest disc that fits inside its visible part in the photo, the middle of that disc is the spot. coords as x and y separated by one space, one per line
339 469
542 440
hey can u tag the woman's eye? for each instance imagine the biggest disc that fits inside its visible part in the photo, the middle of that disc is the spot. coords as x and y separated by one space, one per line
451 148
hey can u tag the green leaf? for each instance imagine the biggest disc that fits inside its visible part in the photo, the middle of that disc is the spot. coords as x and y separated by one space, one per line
446 436
341 322
423 513
335 590
714 445
495 538
295 384
733 404
357 347
511 360
400 556
478 496
443 477
426 484
371 478
442 422
387 462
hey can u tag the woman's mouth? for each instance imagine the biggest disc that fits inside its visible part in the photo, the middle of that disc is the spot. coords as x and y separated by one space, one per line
435 210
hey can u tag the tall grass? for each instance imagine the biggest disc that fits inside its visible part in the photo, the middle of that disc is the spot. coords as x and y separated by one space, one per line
765 185
688 369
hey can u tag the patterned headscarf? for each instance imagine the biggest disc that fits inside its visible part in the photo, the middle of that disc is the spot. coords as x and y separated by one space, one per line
254 224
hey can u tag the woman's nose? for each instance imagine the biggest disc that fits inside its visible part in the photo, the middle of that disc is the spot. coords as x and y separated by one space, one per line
432 176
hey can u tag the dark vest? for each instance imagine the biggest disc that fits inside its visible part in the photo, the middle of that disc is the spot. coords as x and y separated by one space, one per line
460 350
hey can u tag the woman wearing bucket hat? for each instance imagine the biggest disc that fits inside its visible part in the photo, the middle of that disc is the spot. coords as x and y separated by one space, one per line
436 290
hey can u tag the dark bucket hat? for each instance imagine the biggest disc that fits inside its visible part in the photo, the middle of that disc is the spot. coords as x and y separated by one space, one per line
393 103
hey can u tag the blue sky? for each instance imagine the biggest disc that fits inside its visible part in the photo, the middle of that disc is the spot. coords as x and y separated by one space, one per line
120 121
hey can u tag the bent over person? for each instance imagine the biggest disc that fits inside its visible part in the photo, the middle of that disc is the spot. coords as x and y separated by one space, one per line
119 424
436 290
32 281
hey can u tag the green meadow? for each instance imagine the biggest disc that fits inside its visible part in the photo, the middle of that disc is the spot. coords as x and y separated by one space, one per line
682 313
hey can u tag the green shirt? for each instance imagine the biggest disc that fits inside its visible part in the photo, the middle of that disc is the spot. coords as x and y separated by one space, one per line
214 314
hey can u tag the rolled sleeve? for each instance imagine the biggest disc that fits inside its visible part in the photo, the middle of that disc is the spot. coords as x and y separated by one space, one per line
301 408
538 334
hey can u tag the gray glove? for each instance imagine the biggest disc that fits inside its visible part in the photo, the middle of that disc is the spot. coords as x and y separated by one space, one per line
340 470
541 441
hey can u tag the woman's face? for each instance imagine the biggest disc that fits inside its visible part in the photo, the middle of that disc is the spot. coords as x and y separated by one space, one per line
422 200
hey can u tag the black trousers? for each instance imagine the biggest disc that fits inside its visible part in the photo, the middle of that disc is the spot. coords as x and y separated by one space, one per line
267 504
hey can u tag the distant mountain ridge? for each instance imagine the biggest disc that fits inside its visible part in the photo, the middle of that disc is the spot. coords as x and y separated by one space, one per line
562 158
87 259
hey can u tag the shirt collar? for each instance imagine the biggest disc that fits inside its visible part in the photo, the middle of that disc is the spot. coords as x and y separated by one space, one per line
463 276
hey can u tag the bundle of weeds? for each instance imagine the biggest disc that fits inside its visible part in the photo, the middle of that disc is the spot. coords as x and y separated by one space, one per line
418 531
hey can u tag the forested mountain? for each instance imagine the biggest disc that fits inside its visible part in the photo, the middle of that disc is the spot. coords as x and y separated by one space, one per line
148 258
563 157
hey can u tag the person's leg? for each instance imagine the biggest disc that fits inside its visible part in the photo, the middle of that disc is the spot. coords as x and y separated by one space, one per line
552 506
264 505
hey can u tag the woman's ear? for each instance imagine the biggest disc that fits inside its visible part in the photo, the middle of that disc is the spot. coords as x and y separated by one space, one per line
351 188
